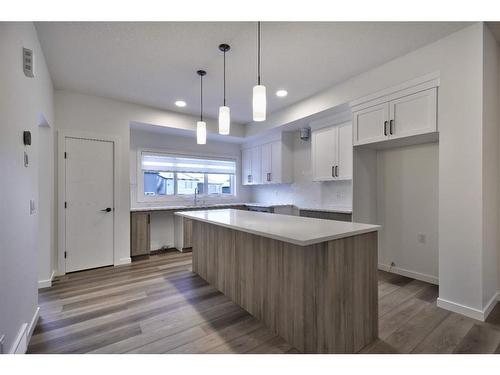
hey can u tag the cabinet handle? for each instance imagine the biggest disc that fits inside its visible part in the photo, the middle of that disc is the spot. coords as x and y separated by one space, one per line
336 171
269 177
385 128
333 171
390 126
248 178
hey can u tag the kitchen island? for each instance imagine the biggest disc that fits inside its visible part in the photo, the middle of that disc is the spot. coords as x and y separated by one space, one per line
312 281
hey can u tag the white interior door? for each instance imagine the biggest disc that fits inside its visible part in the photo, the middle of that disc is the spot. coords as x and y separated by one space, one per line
89 212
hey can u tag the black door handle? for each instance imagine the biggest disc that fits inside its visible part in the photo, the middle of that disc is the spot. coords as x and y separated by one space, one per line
391 123
385 127
108 209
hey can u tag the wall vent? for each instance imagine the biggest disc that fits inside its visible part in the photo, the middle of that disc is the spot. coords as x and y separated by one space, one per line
28 62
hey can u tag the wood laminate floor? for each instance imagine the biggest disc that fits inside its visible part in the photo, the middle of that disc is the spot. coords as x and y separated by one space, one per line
158 305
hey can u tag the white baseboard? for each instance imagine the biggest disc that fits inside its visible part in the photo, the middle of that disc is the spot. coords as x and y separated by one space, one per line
404 272
46 283
33 323
470 311
20 344
123 261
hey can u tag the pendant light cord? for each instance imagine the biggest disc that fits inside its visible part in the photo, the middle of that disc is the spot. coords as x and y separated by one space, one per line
258 53
224 78
201 98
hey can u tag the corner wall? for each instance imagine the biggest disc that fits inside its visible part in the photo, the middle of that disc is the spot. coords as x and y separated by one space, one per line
22 100
459 60
490 169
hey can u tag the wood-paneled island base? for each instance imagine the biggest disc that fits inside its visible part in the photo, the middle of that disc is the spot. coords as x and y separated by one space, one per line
321 297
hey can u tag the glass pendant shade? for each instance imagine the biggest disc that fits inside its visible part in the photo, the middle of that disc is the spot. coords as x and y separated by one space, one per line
224 120
259 103
201 132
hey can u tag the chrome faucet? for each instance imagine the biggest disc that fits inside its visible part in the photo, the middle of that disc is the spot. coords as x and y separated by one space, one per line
195 195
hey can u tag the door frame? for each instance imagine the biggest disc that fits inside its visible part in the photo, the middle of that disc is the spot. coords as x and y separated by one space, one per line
62 134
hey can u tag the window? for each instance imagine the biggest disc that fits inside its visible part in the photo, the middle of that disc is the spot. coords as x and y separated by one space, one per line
175 175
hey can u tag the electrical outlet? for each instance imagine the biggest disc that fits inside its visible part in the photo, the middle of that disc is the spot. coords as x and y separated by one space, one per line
421 238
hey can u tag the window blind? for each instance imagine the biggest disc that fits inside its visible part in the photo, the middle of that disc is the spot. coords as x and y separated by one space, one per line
173 163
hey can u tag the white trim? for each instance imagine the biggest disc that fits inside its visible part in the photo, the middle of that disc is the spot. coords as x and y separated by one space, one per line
420 83
123 261
20 344
408 273
140 198
491 304
332 120
33 323
46 283
470 311
61 225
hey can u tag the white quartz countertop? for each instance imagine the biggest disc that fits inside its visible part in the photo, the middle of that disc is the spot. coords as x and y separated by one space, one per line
185 207
339 209
298 230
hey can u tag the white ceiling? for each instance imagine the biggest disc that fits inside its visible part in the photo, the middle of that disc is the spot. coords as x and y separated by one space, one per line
155 63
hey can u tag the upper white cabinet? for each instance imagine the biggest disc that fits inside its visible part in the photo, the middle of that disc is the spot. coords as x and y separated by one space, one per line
393 116
251 165
268 163
332 153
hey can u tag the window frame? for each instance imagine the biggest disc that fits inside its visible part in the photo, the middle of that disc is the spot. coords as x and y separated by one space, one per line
181 198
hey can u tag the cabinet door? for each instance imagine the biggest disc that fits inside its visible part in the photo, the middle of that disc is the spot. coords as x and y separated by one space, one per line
368 124
324 151
139 233
267 163
276 163
256 166
344 155
246 166
414 114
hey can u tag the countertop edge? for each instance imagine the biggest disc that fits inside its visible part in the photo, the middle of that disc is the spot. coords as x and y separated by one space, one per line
374 228
221 205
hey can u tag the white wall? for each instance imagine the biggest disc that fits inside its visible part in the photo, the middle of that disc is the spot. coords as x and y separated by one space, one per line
162 228
304 192
108 117
46 210
407 206
458 59
490 169
22 100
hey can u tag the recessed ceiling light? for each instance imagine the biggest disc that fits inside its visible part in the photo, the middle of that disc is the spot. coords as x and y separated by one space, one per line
281 93
180 103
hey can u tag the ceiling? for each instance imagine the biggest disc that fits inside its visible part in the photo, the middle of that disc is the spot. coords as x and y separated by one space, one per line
155 63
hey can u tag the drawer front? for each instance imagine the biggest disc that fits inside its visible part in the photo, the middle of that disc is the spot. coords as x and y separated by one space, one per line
326 215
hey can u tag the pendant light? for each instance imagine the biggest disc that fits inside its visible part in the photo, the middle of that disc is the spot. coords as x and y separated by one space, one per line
201 126
224 111
259 91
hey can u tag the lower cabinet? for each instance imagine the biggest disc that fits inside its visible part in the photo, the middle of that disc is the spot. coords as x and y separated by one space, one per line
140 233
